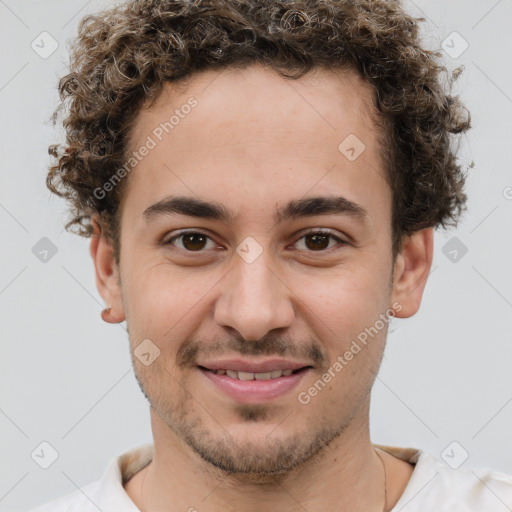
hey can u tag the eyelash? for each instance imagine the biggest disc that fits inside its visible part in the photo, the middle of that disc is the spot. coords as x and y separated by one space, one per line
312 232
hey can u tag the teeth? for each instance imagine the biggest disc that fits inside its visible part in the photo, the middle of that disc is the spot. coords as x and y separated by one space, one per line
254 376
263 376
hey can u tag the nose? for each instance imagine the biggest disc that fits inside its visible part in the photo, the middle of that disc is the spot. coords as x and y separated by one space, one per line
254 299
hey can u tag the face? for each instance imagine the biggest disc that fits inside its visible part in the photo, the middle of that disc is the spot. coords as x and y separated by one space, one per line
255 257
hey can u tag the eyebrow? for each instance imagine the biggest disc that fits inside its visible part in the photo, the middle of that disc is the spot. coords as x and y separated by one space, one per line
297 208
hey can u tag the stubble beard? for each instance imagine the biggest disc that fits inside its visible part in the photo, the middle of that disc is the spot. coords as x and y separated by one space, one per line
245 461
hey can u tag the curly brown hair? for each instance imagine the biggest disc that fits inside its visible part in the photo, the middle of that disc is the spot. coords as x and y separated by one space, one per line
123 56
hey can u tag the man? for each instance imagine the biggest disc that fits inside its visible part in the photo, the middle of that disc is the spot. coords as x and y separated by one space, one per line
261 181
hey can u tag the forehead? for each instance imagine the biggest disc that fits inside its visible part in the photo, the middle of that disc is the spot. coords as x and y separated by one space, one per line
245 96
239 133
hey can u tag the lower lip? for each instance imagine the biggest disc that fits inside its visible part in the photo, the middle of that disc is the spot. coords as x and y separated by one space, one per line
254 391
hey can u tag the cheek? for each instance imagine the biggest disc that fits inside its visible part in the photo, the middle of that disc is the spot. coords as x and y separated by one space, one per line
345 300
166 302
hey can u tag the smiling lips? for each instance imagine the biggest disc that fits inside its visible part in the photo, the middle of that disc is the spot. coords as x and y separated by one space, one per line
253 382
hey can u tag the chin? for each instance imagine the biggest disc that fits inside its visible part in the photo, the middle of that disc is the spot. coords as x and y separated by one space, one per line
257 453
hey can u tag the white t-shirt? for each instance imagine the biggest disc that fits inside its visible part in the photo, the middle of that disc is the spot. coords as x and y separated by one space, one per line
433 487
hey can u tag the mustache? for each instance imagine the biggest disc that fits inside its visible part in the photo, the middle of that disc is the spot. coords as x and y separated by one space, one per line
268 346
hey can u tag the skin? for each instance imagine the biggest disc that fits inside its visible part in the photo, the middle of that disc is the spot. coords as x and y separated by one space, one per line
254 142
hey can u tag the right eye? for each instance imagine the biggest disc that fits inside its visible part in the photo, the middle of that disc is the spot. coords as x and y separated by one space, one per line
191 241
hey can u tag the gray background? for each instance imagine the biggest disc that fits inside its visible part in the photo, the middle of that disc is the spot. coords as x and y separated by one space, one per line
66 376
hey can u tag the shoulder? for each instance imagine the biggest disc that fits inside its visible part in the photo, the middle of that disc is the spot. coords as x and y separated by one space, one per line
81 500
476 489
436 486
107 494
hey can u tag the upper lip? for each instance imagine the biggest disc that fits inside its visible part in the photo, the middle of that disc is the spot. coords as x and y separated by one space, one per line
261 366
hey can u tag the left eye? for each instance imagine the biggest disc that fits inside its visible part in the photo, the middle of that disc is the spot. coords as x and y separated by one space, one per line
194 241
316 240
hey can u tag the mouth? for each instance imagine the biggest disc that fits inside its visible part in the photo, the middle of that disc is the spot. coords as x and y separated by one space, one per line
249 382
234 374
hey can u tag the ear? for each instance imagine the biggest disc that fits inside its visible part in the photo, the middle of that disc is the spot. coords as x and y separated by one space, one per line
411 270
107 273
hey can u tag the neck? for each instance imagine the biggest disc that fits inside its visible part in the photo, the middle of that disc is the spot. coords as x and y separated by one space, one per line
345 475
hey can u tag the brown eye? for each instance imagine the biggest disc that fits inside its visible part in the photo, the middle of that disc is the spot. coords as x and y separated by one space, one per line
194 241
318 241
191 241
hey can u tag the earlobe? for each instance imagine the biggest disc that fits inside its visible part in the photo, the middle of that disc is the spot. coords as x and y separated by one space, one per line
107 273
411 271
